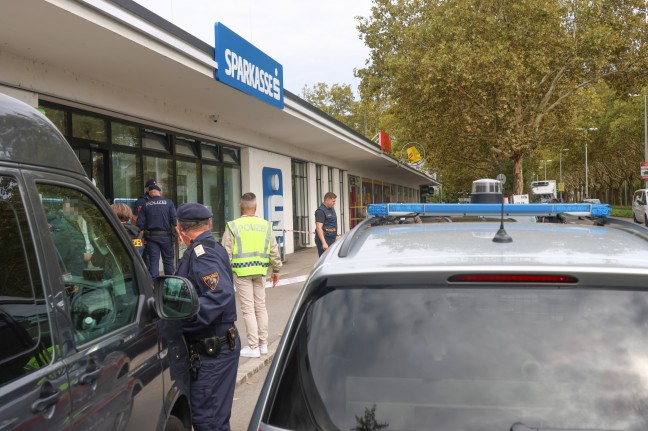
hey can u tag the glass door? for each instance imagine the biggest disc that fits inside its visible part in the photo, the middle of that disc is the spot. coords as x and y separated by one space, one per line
95 164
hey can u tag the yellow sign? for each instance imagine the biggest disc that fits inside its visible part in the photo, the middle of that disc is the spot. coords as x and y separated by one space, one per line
561 187
413 155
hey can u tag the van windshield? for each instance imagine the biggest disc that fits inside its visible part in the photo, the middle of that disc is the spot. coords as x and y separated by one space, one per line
468 359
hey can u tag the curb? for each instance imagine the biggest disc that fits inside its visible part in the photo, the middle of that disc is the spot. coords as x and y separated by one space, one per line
252 366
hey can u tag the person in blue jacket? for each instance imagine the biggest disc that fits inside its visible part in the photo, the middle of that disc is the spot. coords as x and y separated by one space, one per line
212 338
158 219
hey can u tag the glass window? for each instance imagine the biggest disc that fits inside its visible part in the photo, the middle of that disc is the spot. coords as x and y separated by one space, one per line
211 177
466 359
24 325
155 140
126 177
210 152
160 168
125 134
56 116
330 179
185 146
232 193
231 155
96 268
88 127
186 182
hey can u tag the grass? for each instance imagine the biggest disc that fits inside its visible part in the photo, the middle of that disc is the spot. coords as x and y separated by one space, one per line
620 211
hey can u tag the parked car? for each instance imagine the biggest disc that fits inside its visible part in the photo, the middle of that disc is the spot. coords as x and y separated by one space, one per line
460 326
640 206
87 343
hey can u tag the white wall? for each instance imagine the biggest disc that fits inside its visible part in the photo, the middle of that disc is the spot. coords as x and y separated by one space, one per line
253 161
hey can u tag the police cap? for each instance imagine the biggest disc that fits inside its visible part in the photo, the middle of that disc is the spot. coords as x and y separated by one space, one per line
155 187
193 212
150 183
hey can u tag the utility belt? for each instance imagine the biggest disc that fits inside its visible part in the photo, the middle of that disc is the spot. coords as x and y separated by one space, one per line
148 233
209 346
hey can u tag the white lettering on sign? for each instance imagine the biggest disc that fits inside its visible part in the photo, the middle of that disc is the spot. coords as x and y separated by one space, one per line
251 75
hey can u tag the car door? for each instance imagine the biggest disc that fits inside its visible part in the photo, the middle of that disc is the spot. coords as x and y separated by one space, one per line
114 367
34 387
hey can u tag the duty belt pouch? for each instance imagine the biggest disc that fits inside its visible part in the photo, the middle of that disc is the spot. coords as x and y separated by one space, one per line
232 333
212 346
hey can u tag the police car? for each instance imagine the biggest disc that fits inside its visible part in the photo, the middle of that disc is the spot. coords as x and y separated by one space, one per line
482 325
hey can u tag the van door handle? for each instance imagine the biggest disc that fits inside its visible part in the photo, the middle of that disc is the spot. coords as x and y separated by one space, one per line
90 377
43 404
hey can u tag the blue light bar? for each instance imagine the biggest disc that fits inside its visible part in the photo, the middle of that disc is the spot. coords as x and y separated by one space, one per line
547 210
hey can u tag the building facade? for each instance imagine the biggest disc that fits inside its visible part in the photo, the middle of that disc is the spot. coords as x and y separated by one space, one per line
139 98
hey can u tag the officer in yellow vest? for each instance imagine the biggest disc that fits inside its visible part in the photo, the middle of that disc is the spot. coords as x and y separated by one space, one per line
252 248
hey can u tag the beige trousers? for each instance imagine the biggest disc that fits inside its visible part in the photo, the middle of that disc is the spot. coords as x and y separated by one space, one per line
251 294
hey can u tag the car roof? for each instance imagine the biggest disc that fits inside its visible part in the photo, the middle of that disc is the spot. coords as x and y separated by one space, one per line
610 255
27 137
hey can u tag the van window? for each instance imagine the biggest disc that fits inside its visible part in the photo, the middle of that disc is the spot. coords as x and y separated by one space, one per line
96 268
24 325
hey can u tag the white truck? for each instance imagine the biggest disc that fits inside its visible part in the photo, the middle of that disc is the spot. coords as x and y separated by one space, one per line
544 191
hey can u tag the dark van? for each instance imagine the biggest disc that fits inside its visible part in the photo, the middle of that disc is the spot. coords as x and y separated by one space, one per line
87 342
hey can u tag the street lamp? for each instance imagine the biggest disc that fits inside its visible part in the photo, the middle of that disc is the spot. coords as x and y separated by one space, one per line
560 161
545 167
645 129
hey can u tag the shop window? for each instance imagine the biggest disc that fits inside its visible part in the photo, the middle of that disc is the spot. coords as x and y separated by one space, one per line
161 169
56 116
232 192
231 155
210 152
126 176
88 127
125 134
186 182
212 195
185 147
154 140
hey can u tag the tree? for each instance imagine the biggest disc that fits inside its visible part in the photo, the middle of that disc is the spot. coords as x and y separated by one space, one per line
483 81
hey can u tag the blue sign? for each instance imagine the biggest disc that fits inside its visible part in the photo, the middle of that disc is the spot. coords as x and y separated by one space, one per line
243 66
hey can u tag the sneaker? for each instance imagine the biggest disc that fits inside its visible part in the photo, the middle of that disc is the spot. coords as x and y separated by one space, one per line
263 349
250 353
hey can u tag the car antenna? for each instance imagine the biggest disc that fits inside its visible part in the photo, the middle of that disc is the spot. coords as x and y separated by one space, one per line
501 235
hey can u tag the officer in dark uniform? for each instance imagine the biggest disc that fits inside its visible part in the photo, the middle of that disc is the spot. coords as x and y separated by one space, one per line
143 199
214 345
326 223
158 219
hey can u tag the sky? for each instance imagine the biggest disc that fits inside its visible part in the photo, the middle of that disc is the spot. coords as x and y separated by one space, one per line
313 41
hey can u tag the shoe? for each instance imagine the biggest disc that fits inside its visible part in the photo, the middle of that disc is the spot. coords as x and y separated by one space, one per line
249 352
263 349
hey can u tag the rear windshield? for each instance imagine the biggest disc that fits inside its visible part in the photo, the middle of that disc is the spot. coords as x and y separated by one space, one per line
441 359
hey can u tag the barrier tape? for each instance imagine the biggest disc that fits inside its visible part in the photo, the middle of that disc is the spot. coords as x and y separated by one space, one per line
290 230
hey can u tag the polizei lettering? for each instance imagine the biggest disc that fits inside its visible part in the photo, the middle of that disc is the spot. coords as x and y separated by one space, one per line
158 202
251 75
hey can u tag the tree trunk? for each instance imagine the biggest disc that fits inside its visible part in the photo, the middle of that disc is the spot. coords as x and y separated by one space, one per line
518 178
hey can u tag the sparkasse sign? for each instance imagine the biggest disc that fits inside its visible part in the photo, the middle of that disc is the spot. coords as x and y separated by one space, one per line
245 67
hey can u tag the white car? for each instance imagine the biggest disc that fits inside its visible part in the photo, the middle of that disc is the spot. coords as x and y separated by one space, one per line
466 326
640 206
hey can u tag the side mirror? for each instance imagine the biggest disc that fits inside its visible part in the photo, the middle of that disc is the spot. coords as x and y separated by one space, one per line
175 298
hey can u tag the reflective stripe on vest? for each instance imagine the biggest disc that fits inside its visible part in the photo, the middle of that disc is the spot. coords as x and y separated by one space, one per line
251 248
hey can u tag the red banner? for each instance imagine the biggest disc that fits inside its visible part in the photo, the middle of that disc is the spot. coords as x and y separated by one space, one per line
385 141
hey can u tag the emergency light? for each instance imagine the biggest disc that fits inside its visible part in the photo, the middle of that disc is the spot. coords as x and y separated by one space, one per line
547 210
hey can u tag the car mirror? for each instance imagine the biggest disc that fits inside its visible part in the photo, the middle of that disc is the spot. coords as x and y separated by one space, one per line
175 298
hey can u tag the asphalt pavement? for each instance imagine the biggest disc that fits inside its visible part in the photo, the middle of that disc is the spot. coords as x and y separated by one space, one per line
279 303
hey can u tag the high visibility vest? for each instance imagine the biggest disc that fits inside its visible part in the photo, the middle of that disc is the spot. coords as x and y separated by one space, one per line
251 248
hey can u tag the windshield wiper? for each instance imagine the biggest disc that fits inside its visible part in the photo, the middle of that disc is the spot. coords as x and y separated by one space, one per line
519 426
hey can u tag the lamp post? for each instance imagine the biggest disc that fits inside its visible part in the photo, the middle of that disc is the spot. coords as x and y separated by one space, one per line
645 130
545 168
589 129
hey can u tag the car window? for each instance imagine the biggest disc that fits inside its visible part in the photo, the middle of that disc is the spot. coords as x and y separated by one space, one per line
466 359
95 266
24 325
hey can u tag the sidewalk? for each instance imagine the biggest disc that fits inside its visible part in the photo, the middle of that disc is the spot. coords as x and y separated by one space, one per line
279 303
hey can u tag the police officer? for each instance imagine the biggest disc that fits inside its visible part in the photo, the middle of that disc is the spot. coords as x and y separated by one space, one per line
214 345
326 223
158 219
141 201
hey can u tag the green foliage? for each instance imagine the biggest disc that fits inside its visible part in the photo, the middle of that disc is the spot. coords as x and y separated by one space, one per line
482 82
619 211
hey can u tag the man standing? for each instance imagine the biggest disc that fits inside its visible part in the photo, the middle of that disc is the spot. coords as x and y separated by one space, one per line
252 247
212 338
143 199
158 219
326 223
